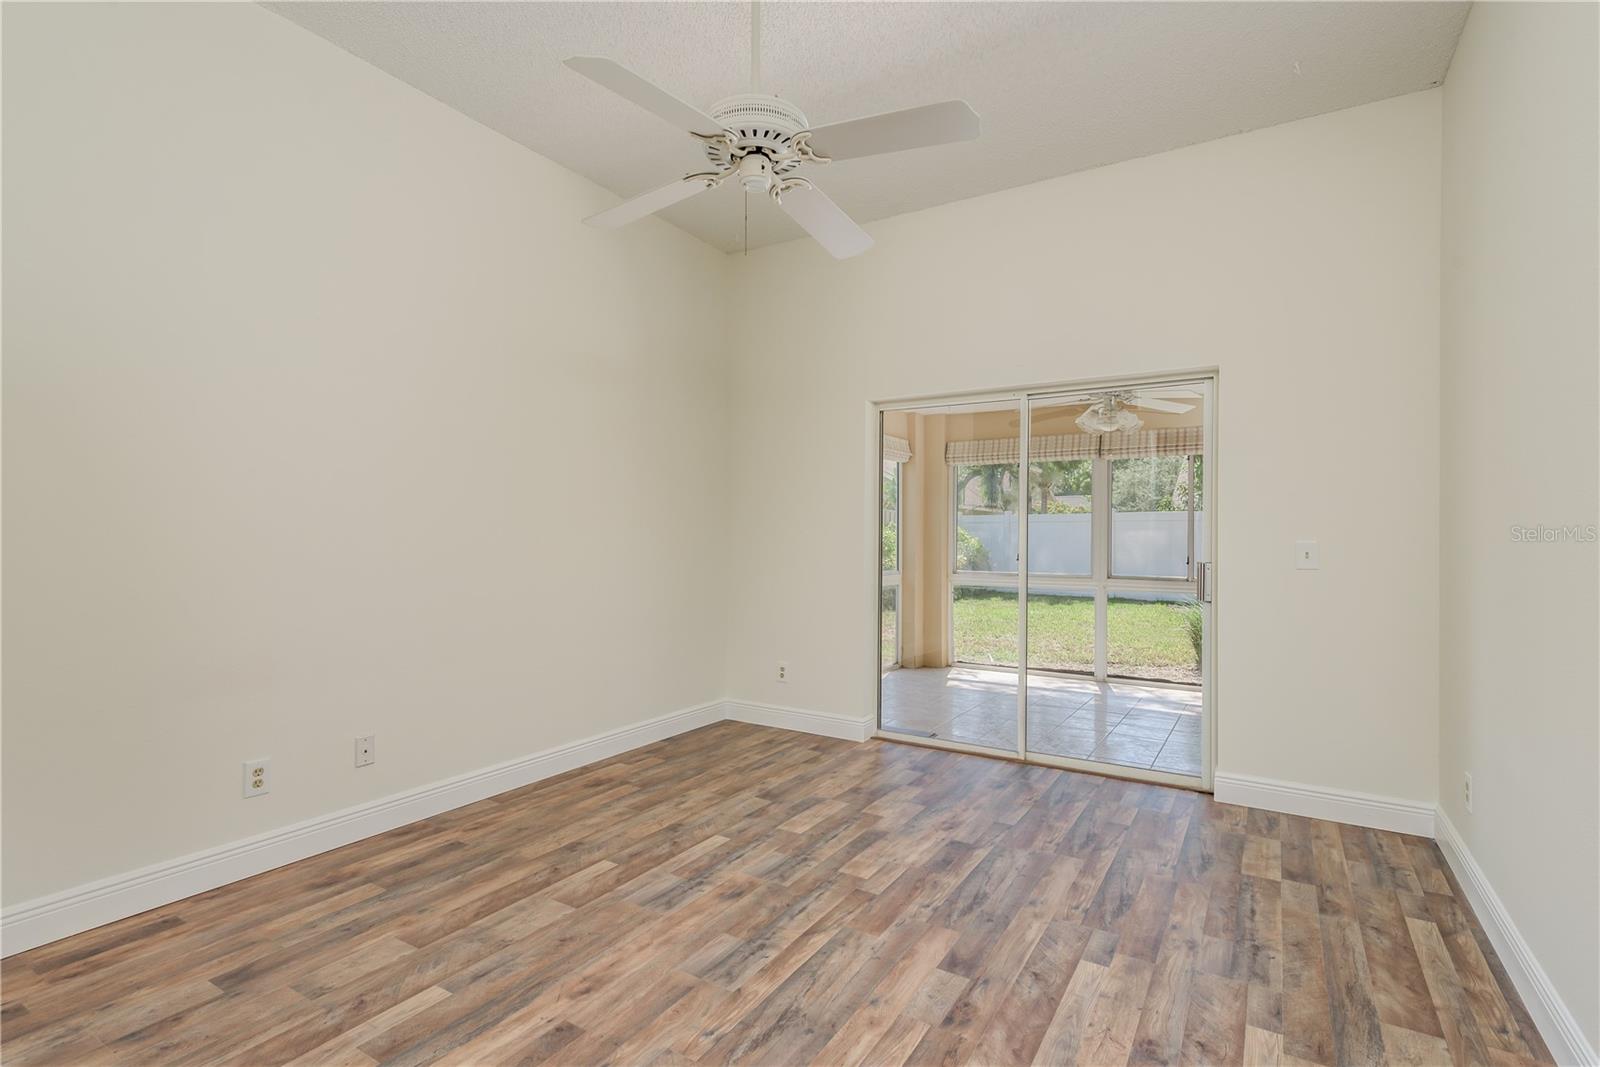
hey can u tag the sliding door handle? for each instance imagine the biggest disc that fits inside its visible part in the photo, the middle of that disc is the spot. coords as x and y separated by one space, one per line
1202 584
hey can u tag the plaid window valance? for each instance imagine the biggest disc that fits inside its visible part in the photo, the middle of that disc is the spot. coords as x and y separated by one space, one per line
1171 441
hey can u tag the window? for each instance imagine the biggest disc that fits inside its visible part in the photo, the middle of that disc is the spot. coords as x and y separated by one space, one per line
1060 628
891 517
1060 517
986 517
889 544
1153 516
1154 635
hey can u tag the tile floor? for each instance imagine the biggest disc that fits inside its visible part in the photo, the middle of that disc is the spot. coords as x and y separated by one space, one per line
1118 722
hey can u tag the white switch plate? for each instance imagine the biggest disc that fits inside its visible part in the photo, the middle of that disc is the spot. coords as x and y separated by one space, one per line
256 780
366 750
1305 556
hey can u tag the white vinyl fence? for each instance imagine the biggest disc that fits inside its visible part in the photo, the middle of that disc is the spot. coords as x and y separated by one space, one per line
1144 544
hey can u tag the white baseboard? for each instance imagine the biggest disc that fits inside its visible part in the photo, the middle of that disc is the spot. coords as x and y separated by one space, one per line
46 919
1317 802
810 722
1555 1021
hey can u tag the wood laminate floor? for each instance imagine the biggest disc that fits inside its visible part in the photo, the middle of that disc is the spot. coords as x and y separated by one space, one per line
741 894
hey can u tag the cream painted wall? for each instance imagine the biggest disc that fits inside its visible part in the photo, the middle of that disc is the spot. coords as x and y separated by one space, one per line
1520 701
300 374
1302 261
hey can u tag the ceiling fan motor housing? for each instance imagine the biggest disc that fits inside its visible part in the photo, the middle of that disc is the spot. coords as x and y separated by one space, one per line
758 123
755 173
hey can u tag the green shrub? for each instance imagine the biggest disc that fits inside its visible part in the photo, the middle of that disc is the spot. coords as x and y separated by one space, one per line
889 548
1195 616
971 555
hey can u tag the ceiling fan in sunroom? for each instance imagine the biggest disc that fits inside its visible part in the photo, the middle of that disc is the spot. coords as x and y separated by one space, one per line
763 141
1112 412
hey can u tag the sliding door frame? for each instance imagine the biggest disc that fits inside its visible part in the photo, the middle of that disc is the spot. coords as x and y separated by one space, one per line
1207 381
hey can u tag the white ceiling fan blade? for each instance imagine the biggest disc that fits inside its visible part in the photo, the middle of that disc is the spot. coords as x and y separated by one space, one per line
1152 404
896 131
647 203
654 99
825 221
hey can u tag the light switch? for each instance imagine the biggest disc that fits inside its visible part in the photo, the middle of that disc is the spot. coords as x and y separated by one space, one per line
1305 555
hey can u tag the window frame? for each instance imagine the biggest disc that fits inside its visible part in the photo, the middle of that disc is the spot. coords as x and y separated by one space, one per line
1111 575
1044 579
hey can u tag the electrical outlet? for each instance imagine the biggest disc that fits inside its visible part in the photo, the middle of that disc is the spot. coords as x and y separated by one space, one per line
366 750
1466 790
783 672
256 781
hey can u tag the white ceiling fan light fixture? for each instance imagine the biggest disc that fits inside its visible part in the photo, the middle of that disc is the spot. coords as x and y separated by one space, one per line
1110 412
763 140
1108 415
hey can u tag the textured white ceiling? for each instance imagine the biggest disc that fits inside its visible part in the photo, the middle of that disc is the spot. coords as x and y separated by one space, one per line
1061 87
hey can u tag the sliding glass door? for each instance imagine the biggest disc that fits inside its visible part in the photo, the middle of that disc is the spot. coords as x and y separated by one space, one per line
1064 607
1070 570
1116 483
948 542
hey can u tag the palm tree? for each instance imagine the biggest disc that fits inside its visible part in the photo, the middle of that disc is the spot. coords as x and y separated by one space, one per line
1057 477
995 483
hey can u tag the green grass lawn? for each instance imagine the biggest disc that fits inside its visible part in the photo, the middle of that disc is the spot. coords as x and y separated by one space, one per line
1146 638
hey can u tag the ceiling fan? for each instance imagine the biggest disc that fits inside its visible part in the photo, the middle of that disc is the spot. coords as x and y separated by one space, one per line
1109 412
763 140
